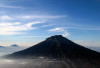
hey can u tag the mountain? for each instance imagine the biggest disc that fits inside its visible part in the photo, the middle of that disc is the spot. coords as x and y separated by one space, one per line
14 45
2 47
59 47
4 50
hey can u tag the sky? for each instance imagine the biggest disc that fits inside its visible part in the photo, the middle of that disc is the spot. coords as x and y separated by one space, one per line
27 22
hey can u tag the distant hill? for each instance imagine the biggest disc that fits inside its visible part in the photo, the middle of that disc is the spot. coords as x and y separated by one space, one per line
59 47
2 47
14 45
4 50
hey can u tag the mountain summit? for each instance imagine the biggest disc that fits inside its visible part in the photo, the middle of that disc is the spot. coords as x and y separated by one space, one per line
57 47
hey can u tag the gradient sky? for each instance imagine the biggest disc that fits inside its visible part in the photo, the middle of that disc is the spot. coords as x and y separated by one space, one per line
26 22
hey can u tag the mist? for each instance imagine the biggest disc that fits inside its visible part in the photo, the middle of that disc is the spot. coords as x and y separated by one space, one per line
32 63
41 62
94 48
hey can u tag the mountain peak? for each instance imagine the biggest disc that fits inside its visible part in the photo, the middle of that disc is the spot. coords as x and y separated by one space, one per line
14 45
58 39
55 37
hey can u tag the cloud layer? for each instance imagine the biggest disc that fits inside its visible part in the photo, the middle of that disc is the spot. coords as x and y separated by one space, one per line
7 28
61 30
13 25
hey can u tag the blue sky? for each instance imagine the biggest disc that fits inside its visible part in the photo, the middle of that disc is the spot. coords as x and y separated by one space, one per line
26 22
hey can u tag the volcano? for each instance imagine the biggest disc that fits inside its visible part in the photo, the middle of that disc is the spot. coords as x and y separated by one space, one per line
57 47
60 48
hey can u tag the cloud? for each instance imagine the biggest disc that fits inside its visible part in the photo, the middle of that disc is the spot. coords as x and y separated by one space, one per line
86 28
34 36
65 34
12 25
48 25
7 28
33 23
88 43
5 17
28 17
56 30
3 24
42 16
62 31
10 33
8 6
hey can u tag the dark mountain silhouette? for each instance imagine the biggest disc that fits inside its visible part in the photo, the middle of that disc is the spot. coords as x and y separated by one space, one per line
61 48
58 47
14 45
